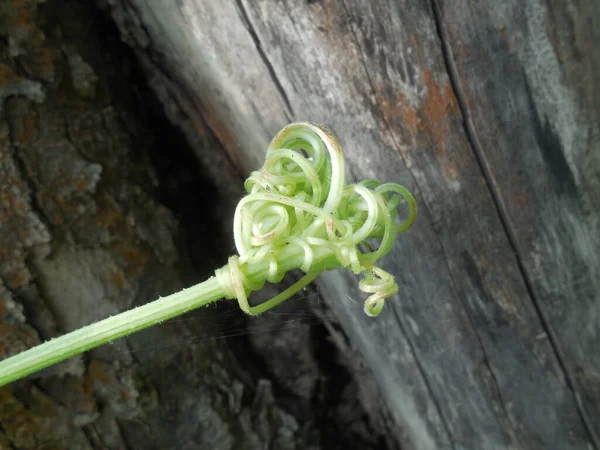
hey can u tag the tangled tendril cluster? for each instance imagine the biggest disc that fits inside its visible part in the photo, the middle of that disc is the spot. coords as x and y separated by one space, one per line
299 213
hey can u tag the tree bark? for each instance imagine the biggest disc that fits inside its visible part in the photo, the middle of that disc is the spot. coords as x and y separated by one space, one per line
105 206
488 112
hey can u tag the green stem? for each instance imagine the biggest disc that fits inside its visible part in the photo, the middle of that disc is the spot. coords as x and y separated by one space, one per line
305 217
107 330
63 347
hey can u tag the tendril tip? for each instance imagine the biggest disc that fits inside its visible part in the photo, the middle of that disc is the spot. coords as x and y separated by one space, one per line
300 214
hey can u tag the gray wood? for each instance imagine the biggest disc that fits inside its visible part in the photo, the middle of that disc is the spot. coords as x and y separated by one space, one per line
533 100
463 354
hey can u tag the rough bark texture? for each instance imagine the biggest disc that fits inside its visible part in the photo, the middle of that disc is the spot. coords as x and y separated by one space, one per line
489 112
104 206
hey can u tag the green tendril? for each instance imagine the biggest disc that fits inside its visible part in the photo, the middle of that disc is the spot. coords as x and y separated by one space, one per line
298 214
299 209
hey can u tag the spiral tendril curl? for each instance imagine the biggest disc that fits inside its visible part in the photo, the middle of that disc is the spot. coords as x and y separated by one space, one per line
300 214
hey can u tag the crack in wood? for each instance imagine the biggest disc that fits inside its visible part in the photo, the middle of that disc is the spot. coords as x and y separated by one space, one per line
419 365
244 16
501 209
478 337
426 207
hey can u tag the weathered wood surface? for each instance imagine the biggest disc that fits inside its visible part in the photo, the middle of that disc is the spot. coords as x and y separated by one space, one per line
489 114
102 207
533 101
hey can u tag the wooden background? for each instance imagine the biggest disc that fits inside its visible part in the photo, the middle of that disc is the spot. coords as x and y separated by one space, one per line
489 112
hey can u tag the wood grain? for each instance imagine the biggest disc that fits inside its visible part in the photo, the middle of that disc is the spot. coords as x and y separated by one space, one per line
533 102
491 341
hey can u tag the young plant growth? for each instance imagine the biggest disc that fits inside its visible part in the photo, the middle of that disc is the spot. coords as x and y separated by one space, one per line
298 214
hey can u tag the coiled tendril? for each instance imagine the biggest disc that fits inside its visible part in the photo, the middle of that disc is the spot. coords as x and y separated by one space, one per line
299 213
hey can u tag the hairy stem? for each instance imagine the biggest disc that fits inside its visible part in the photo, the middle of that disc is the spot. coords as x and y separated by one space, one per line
107 330
298 214
63 347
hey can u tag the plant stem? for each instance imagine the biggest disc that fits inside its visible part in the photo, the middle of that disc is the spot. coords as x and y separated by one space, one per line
63 347
107 330
298 214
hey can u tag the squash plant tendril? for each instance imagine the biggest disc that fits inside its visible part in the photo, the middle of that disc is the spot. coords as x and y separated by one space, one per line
298 214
